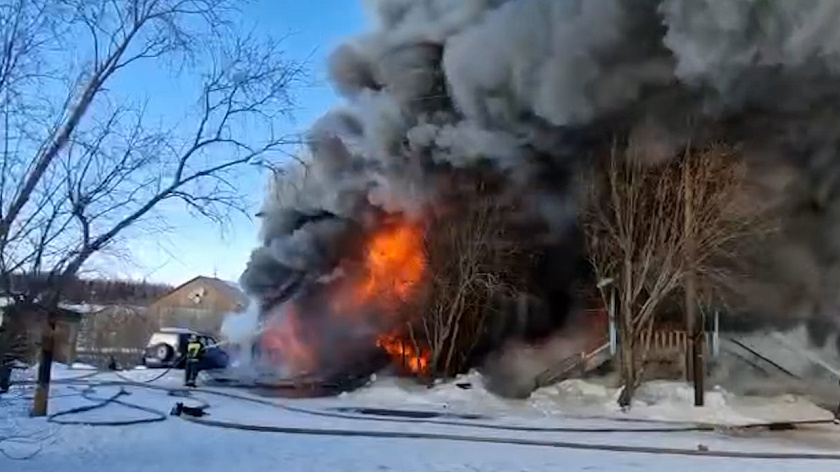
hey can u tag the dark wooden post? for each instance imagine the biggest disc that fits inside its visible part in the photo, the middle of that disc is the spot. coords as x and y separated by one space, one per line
693 327
42 387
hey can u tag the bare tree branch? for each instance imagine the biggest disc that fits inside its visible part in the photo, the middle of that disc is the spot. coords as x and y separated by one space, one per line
80 172
636 236
94 170
473 266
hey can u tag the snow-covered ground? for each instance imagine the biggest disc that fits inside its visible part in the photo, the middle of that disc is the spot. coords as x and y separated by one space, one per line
659 401
178 444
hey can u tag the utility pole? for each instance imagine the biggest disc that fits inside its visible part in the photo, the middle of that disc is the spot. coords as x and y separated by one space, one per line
694 329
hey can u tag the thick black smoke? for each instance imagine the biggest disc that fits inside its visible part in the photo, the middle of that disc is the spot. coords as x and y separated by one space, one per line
528 88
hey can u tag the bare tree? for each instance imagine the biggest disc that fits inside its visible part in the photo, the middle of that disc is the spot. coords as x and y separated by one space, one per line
474 265
83 166
646 226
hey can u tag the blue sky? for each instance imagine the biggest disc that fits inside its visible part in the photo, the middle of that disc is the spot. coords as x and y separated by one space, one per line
197 247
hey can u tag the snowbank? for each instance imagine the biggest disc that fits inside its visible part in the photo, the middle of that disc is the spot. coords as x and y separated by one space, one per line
655 401
660 401
466 392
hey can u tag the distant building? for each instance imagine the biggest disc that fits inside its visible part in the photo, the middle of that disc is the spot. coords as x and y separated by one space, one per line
198 304
108 320
22 327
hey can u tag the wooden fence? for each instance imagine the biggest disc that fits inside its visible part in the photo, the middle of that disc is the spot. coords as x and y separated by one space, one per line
125 358
669 342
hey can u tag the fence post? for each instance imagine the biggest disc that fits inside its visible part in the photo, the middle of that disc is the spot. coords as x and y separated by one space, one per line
582 364
716 334
613 334
72 339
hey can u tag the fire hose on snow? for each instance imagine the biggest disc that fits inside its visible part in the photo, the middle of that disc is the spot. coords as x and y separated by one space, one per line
195 414
101 403
512 441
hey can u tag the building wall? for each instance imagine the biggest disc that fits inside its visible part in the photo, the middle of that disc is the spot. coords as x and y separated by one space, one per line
200 304
25 330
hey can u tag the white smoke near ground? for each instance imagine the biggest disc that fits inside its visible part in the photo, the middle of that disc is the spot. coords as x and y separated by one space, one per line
239 331
513 369
240 327
526 90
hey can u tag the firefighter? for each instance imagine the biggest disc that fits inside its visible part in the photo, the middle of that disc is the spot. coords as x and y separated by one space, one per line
5 361
194 351
5 374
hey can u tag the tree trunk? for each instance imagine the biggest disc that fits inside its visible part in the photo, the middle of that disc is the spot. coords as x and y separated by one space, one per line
694 333
698 369
42 387
628 375
627 360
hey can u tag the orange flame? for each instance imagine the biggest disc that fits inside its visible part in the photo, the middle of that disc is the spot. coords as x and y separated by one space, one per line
394 264
404 354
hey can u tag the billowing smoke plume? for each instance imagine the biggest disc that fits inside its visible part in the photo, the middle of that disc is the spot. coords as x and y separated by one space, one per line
526 89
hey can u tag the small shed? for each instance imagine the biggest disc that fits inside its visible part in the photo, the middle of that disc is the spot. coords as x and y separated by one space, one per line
25 323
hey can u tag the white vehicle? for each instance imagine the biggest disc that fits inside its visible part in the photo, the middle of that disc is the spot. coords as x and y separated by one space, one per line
168 347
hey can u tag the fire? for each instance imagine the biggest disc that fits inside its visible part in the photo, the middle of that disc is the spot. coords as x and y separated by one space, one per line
392 269
394 264
284 343
404 353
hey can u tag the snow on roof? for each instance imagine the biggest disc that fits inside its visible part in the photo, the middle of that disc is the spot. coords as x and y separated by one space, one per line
232 284
236 289
84 308
224 284
174 330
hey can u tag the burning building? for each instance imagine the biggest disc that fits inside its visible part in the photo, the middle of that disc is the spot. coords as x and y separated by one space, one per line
454 102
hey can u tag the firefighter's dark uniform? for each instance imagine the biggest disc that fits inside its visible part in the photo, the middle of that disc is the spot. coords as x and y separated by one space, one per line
5 361
5 374
194 349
